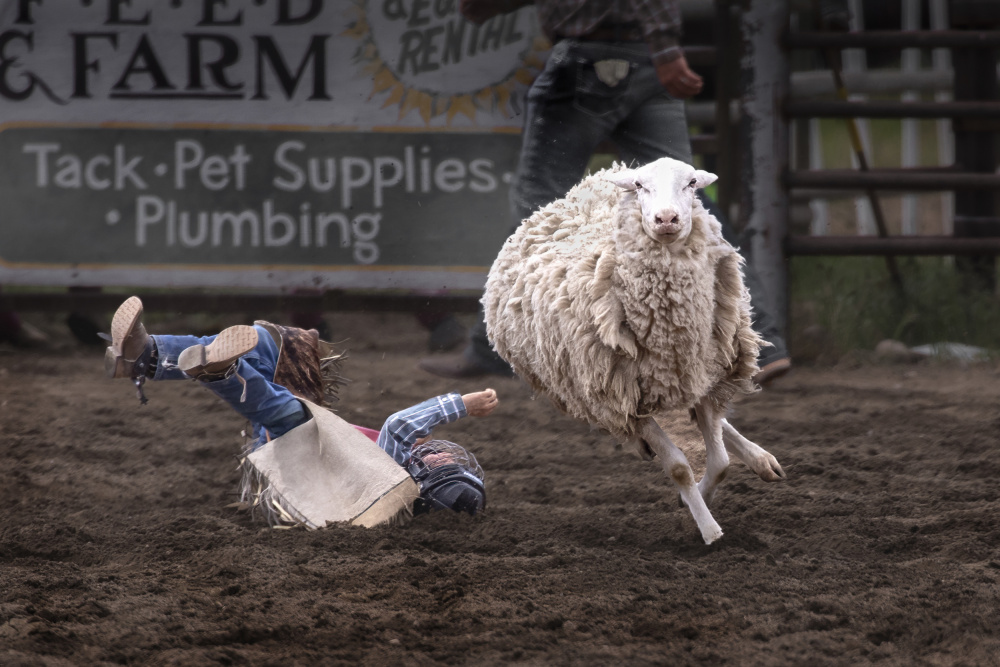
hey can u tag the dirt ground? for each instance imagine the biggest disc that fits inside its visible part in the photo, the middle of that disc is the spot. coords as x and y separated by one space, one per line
118 544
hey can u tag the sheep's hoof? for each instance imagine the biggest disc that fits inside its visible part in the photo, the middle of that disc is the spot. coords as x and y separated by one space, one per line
712 534
768 468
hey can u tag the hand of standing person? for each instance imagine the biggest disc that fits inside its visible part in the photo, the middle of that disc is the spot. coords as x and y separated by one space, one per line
678 78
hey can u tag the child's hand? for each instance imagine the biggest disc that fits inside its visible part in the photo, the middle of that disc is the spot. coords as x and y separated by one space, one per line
480 403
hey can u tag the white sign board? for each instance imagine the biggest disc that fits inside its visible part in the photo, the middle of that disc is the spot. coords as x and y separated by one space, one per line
257 143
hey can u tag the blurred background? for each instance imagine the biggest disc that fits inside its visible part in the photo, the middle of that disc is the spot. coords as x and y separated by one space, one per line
855 143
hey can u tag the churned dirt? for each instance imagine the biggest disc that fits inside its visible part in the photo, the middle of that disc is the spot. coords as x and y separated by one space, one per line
118 543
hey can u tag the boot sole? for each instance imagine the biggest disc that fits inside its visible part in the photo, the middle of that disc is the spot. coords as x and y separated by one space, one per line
122 324
220 354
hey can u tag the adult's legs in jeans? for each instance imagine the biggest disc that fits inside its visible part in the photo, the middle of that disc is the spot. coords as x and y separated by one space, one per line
658 128
763 319
558 140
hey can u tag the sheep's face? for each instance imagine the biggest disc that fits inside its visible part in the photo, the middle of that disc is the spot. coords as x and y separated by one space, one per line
666 190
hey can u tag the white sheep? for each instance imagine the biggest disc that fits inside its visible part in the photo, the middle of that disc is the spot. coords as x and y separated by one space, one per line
622 301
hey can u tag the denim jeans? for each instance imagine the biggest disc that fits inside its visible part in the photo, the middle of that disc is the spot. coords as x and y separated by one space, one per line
569 112
268 406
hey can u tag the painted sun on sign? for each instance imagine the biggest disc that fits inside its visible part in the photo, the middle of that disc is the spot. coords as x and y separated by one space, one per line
422 55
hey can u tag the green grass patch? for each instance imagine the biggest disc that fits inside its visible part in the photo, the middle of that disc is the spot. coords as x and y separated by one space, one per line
854 303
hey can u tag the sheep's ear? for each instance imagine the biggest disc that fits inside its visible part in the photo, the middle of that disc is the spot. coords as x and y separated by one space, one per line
624 179
703 179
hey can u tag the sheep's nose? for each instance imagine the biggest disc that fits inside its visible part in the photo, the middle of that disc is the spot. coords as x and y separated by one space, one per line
666 224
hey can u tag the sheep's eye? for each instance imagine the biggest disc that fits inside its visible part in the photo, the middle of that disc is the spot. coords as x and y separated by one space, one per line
638 185
693 182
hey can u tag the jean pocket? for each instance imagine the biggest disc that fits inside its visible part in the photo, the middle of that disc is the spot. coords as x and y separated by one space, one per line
554 84
596 97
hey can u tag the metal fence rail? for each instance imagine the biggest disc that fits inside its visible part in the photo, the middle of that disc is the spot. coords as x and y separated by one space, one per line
890 246
977 115
774 97
882 109
894 39
892 179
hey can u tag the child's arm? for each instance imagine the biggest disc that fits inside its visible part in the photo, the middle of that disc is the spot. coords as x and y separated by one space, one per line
481 403
403 429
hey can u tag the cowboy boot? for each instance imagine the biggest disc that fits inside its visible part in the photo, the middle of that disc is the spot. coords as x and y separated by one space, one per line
131 347
216 360
132 353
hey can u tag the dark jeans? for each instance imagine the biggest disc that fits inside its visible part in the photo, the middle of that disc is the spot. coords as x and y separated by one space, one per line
569 112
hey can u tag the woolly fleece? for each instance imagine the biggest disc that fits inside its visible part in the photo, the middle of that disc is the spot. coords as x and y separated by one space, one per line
613 325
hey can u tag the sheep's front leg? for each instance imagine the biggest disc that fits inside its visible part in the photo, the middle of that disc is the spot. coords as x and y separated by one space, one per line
676 465
709 418
756 457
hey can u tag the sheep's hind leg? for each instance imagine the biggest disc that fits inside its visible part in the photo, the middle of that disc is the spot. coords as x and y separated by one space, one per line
709 418
676 465
756 457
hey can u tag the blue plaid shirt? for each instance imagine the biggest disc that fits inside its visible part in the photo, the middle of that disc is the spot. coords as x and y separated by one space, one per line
402 430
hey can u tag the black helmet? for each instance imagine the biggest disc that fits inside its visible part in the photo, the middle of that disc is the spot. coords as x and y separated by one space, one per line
449 478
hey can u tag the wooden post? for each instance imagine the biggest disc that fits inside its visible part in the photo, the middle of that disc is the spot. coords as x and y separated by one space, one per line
975 150
764 199
727 57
